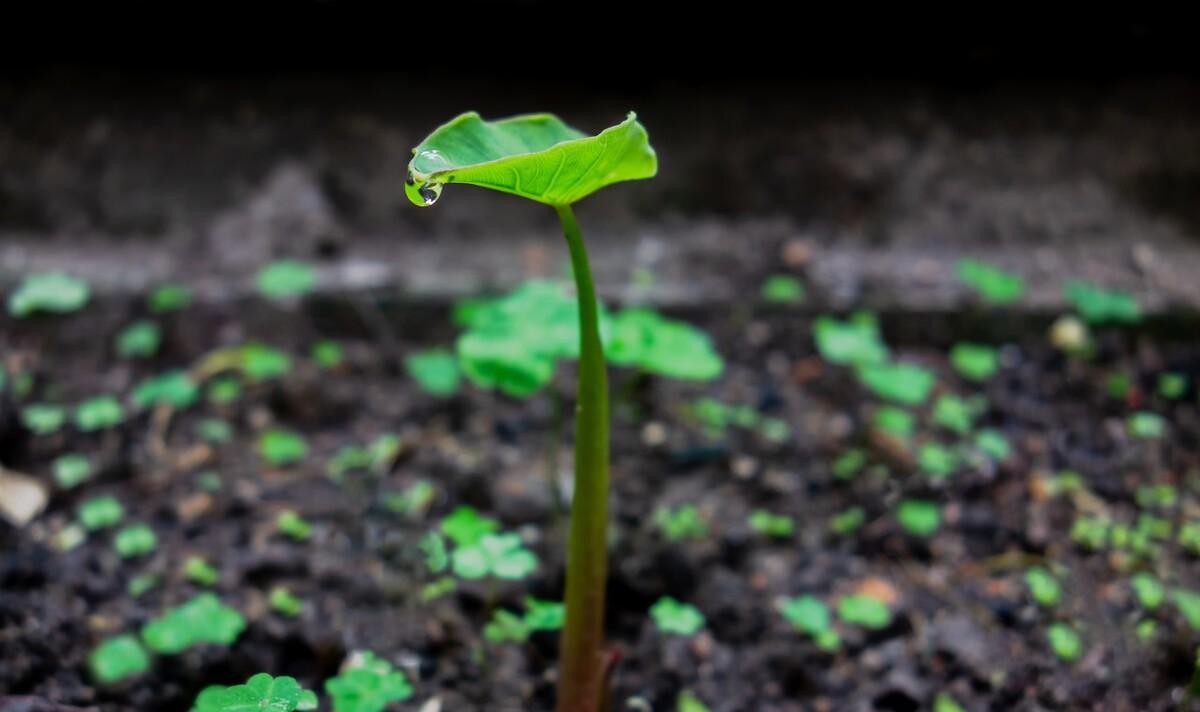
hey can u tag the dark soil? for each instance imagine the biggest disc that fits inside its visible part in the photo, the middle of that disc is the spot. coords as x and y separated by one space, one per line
964 623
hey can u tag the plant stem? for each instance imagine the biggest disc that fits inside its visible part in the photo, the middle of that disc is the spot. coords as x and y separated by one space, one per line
581 659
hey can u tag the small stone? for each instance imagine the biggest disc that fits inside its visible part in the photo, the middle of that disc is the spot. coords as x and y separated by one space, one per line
21 497
654 434
194 506
744 467
797 253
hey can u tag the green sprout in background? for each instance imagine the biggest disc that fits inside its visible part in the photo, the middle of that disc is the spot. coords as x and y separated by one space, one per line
280 448
260 692
783 289
118 658
51 293
200 620
286 279
540 158
367 683
676 618
993 285
140 339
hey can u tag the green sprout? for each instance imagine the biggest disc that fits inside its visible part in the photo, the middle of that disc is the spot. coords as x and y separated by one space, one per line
680 523
503 556
200 572
540 158
435 371
99 413
284 279
899 382
676 618
778 526
1043 586
175 389
328 354
414 501
261 692
1148 589
142 583
688 702
975 361
367 684
851 342
809 614
376 457
101 513
506 626
201 620
1189 537
1100 306
284 603
848 521
1065 642
169 298
1157 496
293 526
945 703
43 418
955 414
896 422
214 430
1146 425
849 463
1172 386
223 391
433 546
783 289
994 286
867 611
1118 385
919 517
1090 532
139 340
280 448
1188 603
438 588
465 526
72 470
51 292
992 443
135 540
117 659
937 460
648 341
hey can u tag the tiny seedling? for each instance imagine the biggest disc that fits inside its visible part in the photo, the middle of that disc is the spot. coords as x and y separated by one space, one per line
848 521
1159 496
675 618
140 339
142 583
1189 537
200 620
783 289
293 526
1101 306
367 684
52 293
681 523
1172 386
285 603
99 413
867 611
1146 425
414 501
285 279
849 464
1188 603
135 540
43 418
855 341
465 526
72 470
811 615
507 626
919 517
901 383
688 702
433 546
777 526
117 659
101 513
893 421
1044 587
993 285
377 457
945 703
280 448
503 556
200 572
169 298
438 588
937 461
974 361
214 430
261 692
955 414
1149 591
327 354
174 389
1065 642
224 390
992 443
435 371
1090 532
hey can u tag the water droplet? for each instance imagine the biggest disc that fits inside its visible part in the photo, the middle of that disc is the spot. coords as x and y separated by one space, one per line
430 192
431 161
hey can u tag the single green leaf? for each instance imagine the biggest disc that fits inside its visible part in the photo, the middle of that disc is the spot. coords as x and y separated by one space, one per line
101 513
328 354
286 278
202 619
778 526
293 525
435 371
261 693
367 684
676 618
1043 586
865 610
506 627
284 603
43 418
900 382
919 517
50 292
1065 642
99 413
199 571
680 523
994 285
783 289
280 447
1150 592
139 340
535 156
173 388
688 702
135 540
72 470
807 613
169 297
1101 306
975 361
118 658
854 341
465 526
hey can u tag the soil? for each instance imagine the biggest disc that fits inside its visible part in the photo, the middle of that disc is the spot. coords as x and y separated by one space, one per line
964 622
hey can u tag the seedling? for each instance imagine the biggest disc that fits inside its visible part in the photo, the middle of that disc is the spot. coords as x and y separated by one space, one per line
849 463
435 371
99 413
135 540
280 448
169 298
810 615
503 556
1065 642
1044 587
1147 426
993 285
367 684
676 618
506 626
51 292
919 517
975 361
1090 532
223 391
142 583
1172 386
101 513
414 501
937 461
993 444
434 590
778 526
293 526
214 430
902 383
433 546
175 389
783 289
200 572
867 611
376 457
285 279
466 527
945 703
1188 603
328 354
688 702
261 692
72 470
541 158
1118 386
680 523
200 620
1189 537
955 414
117 659
139 340
848 521
284 603
850 342
1160 496
1149 591
43 418
1100 306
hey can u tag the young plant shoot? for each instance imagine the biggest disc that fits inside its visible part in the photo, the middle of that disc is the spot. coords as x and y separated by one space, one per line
540 158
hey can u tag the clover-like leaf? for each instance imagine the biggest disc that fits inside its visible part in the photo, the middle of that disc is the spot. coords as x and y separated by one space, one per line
535 156
261 692
173 388
50 292
203 619
118 658
367 684
501 555
676 618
